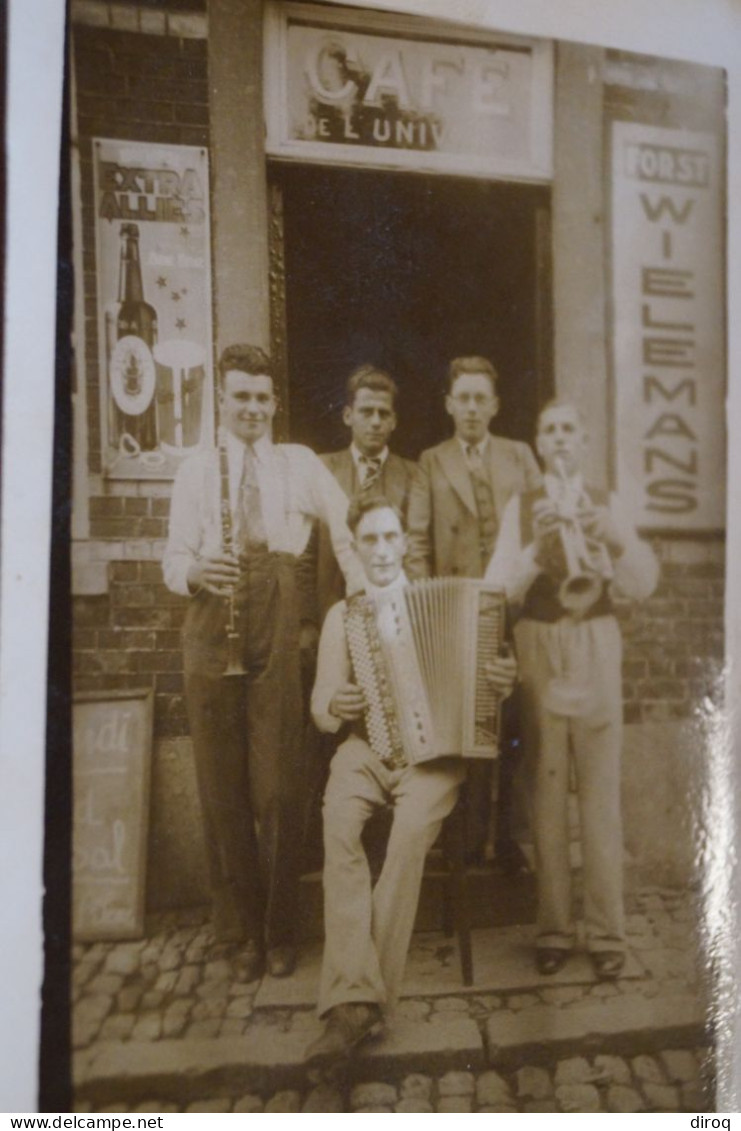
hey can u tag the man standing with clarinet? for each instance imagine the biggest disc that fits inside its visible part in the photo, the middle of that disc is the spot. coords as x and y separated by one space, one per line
240 516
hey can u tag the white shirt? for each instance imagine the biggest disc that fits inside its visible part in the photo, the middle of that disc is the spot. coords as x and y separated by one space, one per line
295 489
513 566
334 666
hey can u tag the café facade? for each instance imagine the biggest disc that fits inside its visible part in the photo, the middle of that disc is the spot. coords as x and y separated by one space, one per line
340 185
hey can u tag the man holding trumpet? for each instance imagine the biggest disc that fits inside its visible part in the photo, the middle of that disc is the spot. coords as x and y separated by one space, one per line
240 516
562 550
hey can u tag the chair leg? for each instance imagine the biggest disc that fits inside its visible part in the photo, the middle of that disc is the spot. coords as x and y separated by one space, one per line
456 899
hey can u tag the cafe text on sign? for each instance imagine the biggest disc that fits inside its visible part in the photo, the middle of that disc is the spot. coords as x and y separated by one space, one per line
347 90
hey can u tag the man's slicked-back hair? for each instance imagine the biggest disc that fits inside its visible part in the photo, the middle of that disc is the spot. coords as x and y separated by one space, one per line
362 505
370 377
560 402
461 365
245 359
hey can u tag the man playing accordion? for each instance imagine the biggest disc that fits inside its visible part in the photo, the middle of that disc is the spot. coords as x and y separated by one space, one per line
561 550
368 930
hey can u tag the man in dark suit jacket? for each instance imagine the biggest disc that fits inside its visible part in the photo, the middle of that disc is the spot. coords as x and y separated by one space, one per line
457 501
366 465
452 524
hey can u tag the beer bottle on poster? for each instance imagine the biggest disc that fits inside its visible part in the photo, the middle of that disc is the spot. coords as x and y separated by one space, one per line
133 410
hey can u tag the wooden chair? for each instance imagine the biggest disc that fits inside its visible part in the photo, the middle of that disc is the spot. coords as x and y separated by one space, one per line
456 915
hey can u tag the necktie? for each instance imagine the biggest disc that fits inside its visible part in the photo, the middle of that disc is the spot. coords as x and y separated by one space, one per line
484 502
371 466
250 533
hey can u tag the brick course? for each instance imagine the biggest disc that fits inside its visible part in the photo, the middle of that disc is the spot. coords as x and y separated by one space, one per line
130 637
673 643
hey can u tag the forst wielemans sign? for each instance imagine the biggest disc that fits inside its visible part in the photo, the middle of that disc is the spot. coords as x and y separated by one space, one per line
668 326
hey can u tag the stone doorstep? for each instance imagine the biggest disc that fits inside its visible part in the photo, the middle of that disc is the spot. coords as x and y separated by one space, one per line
185 1070
502 964
626 1025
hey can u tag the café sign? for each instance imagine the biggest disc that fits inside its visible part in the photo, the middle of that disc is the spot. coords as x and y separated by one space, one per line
363 89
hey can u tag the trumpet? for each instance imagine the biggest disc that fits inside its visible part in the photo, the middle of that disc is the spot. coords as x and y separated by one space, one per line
587 562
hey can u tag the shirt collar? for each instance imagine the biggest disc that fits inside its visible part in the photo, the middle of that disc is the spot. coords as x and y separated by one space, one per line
359 458
235 447
398 583
480 447
557 488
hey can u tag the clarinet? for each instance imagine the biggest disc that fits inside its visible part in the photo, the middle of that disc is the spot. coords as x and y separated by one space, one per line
234 658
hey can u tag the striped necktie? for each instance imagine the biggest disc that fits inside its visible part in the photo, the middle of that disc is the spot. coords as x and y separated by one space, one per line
484 497
371 466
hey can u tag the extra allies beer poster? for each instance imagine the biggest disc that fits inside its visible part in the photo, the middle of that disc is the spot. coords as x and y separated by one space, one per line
154 306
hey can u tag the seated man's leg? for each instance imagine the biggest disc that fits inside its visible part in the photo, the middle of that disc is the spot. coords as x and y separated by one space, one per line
423 796
350 969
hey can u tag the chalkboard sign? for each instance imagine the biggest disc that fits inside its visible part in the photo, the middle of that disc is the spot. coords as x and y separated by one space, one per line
112 755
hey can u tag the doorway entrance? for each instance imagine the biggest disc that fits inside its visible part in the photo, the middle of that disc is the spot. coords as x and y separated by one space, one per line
406 272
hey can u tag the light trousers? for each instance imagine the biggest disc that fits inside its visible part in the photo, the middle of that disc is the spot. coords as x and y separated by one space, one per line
367 930
587 653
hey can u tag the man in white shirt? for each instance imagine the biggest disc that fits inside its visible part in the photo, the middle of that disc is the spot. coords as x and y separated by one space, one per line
569 657
240 516
367 932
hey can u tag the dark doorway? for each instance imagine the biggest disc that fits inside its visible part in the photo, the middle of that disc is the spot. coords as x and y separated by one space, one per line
406 272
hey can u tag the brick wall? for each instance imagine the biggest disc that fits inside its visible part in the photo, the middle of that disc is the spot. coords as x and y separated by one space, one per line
673 642
154 88
130 637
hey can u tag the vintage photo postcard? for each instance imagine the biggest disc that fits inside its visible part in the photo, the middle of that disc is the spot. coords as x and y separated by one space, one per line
391 708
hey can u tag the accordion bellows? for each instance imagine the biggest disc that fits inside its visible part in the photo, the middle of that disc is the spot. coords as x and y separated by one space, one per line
419 654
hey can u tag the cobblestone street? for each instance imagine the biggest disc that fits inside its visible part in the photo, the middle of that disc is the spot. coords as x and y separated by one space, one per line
157 1027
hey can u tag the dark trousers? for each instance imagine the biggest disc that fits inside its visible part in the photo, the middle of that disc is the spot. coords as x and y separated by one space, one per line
246 733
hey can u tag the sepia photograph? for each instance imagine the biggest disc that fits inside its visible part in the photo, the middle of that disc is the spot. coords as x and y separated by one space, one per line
396 598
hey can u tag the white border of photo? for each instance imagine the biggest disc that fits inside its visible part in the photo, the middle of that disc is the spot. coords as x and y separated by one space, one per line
705 31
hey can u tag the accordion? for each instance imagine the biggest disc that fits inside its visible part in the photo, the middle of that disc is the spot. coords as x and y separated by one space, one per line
419 654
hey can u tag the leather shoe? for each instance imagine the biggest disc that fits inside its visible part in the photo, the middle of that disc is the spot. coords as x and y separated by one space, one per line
247 961
607 963
281 961
549 960
346 1027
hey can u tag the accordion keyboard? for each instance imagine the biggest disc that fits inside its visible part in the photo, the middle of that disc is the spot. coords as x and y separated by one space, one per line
419 654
